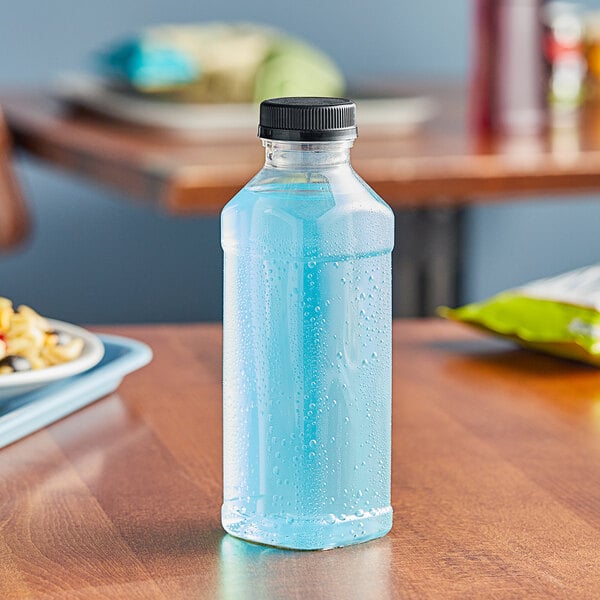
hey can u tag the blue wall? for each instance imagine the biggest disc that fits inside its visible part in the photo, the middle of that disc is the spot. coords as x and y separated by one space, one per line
97 257
514 243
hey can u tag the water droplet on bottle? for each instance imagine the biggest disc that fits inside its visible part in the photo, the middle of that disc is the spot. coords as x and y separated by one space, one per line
275 470
374 355
340 355
365 362
312 443
311 264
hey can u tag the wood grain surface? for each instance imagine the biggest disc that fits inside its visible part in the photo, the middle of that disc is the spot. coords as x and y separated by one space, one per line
496 485
443 165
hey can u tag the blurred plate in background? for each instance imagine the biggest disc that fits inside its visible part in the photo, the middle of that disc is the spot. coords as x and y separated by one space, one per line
398 115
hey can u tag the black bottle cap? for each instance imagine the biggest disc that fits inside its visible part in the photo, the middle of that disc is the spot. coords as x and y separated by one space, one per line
307 119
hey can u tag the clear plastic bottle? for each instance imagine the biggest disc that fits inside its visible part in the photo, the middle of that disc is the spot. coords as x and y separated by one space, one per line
307 338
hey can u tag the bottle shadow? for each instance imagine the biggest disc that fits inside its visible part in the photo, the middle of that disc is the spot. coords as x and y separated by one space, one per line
525 376
503 355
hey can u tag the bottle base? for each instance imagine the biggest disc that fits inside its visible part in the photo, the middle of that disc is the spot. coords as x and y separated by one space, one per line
307 534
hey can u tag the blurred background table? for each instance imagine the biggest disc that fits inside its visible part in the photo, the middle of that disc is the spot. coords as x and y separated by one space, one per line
495 484
427 177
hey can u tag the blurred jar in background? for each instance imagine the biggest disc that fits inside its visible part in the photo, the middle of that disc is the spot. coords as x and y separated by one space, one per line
563 50
592 53
591 38
509 79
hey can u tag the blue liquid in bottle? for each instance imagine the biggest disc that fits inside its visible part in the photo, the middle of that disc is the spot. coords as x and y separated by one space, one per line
307 352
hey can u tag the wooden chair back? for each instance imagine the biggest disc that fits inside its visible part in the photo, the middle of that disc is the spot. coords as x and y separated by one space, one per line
14 216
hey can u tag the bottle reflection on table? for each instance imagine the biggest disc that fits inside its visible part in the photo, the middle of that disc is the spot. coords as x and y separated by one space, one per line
254 571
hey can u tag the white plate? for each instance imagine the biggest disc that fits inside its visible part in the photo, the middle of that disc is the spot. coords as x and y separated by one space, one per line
394 115
16 384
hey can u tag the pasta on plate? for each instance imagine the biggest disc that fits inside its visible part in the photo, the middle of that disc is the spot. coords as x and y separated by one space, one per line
28 342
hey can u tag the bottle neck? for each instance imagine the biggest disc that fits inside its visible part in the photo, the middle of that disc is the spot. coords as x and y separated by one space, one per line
306 155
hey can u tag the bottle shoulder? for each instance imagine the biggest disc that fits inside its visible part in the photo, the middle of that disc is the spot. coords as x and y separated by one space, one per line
341 187
374 195
300 213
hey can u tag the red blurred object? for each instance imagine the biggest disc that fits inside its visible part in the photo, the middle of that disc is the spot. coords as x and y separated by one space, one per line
509 80
555 50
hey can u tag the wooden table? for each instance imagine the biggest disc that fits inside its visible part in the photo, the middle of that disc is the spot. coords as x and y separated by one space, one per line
496 486
445 164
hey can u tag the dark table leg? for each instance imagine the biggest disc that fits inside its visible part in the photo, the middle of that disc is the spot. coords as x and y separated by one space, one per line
426 259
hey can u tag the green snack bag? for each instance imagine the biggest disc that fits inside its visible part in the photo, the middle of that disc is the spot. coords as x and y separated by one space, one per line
558 315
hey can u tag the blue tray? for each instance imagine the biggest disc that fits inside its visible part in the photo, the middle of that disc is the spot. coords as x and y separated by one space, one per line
25 414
